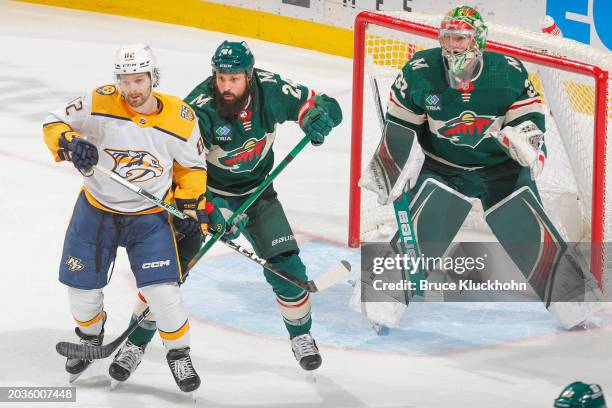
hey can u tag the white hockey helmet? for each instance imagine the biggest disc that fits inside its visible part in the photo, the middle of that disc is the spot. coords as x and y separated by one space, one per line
135 59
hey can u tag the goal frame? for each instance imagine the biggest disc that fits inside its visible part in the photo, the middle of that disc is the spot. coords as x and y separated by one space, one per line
599 76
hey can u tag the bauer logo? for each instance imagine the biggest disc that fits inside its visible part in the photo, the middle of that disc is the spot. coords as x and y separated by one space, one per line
467 129
155 264
74 264
282 239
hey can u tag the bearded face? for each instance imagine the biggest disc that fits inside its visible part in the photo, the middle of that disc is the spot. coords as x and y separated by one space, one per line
135 88
231 93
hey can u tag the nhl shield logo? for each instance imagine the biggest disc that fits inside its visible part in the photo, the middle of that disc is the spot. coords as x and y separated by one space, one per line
135 165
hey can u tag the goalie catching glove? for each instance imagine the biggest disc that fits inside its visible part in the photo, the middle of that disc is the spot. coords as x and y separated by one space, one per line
523 143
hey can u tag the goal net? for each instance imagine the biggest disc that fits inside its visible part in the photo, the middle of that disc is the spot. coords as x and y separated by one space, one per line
572 79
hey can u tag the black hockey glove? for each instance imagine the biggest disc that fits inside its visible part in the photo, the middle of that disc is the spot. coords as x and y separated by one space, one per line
83 154
197 222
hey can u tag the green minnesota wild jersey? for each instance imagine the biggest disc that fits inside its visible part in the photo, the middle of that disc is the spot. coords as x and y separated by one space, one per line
454 125
240 153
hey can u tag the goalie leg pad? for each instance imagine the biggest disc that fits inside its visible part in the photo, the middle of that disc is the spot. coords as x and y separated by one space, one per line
438 212
558 274
384 307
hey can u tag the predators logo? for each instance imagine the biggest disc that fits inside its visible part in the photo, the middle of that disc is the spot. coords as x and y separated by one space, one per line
135 165
468 129
246 157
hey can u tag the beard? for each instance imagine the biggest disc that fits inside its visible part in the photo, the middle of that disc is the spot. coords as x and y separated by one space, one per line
137 99
229 108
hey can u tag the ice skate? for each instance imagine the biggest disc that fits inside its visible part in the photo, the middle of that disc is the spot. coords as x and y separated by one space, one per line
182 370
76 366
126 361
306 352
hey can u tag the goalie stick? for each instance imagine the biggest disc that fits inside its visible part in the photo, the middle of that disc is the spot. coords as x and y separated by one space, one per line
401 206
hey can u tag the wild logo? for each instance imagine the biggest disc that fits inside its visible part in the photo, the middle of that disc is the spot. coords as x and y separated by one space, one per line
246 157
135 165
467 129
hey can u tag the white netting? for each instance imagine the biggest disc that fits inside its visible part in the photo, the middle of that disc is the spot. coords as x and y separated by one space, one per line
567 181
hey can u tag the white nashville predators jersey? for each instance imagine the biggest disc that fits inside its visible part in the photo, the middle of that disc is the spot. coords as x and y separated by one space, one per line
144 149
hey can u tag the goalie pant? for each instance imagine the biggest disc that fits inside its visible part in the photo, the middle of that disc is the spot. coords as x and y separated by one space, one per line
566 285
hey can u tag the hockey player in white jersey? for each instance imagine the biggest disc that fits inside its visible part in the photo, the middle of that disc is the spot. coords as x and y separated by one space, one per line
153 140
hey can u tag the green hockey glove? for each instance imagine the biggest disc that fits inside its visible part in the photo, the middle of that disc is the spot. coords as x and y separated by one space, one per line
315 121
219 216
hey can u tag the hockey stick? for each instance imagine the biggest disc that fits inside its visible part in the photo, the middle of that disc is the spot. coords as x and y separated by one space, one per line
329 278
252 197
89 352
401 206
323 282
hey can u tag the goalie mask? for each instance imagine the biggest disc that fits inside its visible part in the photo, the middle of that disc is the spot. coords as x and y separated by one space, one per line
233 57
136 59
463 37
581 395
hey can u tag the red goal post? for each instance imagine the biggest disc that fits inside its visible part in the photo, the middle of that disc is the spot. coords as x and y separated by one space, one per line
545 58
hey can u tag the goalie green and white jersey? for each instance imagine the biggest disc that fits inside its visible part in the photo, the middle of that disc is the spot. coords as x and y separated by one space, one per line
454 125
240 153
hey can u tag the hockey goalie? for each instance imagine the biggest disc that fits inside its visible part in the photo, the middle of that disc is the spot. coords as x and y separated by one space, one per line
464 124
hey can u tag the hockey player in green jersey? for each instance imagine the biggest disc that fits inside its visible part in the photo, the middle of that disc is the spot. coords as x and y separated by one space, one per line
479 123
238 109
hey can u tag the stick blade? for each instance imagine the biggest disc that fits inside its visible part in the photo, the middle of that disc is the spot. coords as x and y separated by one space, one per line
83 351
333 275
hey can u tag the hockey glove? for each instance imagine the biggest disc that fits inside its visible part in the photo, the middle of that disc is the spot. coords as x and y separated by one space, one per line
219 215
523 143
315 121
83 154
197 221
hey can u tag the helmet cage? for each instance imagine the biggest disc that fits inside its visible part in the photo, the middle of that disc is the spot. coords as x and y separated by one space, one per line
458 61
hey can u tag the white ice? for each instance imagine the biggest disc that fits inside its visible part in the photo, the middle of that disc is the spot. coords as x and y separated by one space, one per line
441 357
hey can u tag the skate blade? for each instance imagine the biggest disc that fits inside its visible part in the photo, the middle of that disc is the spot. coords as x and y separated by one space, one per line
73 377
380 329
312 377
114 384
194 398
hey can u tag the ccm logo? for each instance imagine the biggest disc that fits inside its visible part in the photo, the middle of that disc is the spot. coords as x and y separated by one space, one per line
156 264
